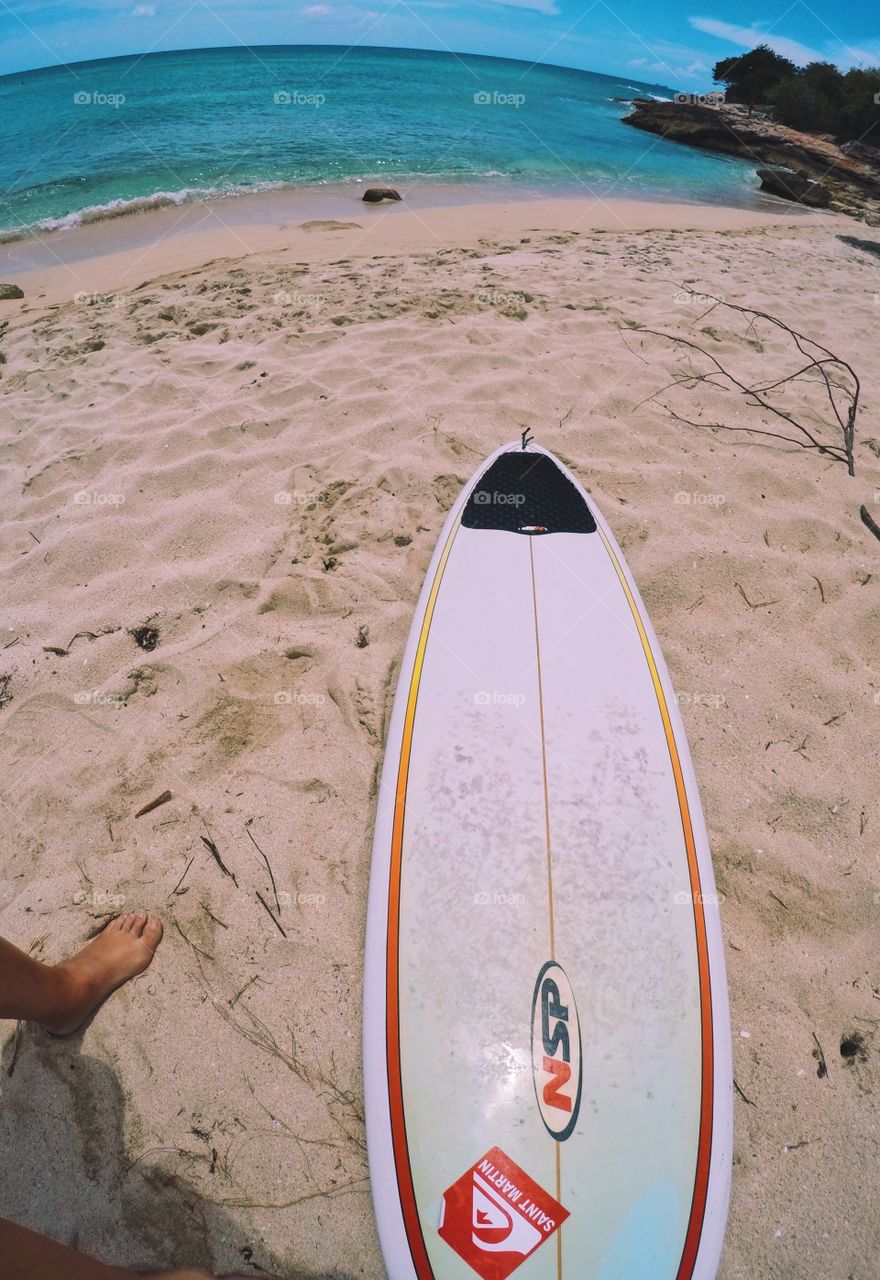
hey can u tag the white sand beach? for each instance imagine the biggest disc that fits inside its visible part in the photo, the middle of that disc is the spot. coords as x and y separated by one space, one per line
226 455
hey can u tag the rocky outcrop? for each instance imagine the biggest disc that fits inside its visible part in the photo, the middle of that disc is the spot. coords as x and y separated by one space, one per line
373 195
10 292
851 176
794 186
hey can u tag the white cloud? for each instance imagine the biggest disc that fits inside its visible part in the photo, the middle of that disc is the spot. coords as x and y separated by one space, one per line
346 14
749 37
846 55
548 7
144 11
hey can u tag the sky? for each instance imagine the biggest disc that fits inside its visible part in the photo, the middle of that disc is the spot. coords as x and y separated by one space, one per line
670 42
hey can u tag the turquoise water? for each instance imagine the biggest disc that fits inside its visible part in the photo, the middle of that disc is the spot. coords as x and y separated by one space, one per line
98 138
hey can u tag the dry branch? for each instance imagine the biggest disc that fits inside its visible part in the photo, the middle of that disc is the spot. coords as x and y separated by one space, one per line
837 377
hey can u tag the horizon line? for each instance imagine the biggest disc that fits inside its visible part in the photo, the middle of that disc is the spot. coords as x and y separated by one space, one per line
218 48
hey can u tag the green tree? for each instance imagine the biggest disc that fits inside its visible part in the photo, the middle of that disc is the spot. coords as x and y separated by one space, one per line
824 78
797 102
751 77
860 105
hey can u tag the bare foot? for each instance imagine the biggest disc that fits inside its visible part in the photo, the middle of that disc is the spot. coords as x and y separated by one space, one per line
121 950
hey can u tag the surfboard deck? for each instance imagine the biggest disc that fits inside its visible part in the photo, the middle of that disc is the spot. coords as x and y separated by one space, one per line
547 1050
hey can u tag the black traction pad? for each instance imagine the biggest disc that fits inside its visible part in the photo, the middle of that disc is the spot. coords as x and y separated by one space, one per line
526 492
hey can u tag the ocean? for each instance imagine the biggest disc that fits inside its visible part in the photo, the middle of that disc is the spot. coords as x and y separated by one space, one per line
99 139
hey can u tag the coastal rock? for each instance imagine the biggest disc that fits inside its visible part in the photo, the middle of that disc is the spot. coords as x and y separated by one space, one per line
794 186
850 177
862 151
8 292
373 195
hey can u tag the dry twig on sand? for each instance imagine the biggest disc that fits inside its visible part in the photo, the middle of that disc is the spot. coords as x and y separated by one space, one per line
816 364
154 804
252 1028
868 521
215 854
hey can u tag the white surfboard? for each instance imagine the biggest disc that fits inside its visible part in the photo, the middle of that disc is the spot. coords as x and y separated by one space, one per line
546 1039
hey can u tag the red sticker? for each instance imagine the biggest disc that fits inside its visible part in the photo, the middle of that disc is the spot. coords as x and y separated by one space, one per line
495 1216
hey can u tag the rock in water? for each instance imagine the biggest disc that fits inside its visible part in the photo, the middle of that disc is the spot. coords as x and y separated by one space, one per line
794 186
374 195
8 292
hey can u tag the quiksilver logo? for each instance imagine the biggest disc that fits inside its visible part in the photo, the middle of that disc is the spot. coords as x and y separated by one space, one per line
556 1051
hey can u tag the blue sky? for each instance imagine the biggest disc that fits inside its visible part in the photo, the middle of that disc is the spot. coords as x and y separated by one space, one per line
674 42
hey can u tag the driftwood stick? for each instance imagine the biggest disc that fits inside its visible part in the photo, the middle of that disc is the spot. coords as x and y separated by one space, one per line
183 877
869 521
215 854
837 376
271 914
268 867
154 804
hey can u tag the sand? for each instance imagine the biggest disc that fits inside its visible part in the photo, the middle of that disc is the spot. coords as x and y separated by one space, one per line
220 492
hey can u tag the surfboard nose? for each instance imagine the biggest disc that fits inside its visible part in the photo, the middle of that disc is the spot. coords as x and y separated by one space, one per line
525 492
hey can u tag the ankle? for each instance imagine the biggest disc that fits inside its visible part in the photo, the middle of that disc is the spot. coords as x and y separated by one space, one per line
68 988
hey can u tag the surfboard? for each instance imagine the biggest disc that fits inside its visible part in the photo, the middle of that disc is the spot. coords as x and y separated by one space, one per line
547 1052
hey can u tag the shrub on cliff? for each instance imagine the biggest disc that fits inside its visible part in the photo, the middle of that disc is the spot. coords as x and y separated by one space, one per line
860 108
751 77
796 102
817 98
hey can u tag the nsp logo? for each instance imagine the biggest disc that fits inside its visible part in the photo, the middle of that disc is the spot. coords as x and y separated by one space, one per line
556 1051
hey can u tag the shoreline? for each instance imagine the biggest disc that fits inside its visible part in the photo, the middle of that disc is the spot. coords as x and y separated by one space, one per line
420 190
117 255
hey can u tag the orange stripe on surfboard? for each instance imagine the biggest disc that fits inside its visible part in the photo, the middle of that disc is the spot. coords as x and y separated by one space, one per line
704 1146
408 1205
